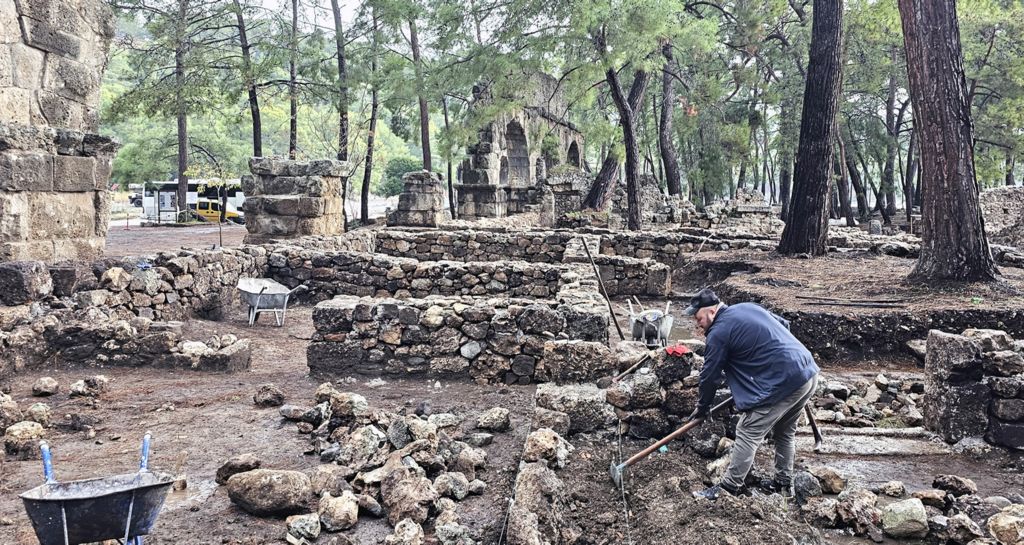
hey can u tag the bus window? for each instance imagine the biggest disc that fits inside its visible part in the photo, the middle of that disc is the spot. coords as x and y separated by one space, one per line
215 206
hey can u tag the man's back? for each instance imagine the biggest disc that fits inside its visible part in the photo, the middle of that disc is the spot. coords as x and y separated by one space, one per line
762 360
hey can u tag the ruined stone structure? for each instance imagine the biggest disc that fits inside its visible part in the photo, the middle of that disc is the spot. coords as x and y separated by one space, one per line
748 213
1003 209
516 150
289 199
975 385
422 202
54 169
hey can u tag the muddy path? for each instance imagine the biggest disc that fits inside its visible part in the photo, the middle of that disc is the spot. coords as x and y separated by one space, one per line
205 418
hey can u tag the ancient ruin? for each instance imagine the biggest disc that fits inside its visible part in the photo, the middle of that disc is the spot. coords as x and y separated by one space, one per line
54 168
290 199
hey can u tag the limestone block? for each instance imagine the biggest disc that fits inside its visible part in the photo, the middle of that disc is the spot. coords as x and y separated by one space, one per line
25 171
958 411
10 30
71 79
15 251
73 173
58 111
14 105
6 68
23 282
101 173
62 215
13 216
48 38
102 221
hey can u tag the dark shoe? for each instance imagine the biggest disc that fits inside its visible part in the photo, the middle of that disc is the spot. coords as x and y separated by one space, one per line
715 491
773 486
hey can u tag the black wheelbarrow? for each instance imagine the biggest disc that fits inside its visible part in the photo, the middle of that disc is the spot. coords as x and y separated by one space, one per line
121 507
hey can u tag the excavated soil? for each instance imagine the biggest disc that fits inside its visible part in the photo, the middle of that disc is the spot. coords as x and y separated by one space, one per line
208 417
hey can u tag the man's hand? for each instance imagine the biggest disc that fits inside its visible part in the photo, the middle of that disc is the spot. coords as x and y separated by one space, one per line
699 412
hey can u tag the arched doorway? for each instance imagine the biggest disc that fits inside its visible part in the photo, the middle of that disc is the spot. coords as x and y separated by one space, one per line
573 155
518 156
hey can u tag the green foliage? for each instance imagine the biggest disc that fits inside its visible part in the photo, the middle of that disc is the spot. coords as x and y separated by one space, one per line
392 185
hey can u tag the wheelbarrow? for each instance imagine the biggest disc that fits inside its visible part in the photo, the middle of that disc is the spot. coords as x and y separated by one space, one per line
266 295
121 507
652 326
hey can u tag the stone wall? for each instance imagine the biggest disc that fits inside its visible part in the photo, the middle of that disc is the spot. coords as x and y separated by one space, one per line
488 340
288 199
53 170
975 386
1003 209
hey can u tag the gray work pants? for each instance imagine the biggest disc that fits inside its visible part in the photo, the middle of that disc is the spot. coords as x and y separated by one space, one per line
755 424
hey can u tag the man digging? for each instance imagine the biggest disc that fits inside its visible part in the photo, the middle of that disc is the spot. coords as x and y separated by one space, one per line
771 376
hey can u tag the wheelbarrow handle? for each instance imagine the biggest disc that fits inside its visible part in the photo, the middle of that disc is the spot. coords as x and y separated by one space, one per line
144 463
47 462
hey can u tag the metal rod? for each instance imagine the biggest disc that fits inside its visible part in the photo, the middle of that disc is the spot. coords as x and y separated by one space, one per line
144 463
639 362
47 462
604 292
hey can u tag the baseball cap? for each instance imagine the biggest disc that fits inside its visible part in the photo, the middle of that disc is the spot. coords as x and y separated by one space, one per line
704 298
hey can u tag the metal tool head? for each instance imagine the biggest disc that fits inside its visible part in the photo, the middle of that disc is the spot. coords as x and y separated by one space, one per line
616 472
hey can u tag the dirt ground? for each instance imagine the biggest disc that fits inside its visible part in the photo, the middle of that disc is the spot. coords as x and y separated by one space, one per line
210 417
136 240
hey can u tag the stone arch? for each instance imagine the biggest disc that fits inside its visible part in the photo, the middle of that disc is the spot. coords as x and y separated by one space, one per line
541 169
503 171
573 155
518 155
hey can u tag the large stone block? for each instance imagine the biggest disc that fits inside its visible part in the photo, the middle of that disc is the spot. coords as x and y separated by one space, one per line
73 173
6 68
15 105
48 38
10 30
25 171
1007 434
71 79
23 282
62 215
14 216
58 111
949 356
957 411
28 63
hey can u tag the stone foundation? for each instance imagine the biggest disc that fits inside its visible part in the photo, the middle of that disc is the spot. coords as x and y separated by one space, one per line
1003 209
975 387
488 340
422 202
289 199
477 201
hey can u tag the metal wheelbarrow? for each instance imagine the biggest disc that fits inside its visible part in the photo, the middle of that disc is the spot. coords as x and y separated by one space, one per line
121 507
652 326
266 295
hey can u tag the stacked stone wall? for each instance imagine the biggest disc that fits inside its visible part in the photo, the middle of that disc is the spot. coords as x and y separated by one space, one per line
54 172
1003 209
289 199
422 202
975 386
487 340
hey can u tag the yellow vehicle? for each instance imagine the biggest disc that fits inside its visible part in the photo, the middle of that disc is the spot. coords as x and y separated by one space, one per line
209 210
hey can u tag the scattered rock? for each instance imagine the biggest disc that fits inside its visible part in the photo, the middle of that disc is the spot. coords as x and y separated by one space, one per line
407 532
268 395
955 485
894 489
477 487
905 518
931 496
22 439
831 481
338 513
961 530
39 412
856 508
291 412
331 479
444 420
407 495
45 386
9 411
495 419
821 510
584 403
479 439
545 444
546 418
89 387
468 461
452 485
270 492
304 526
369 505
1007 526
237 464
805 485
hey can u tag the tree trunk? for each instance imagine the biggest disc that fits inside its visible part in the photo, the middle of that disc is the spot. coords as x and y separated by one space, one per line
414 42
807 230
451 186
250 85
953 243
598 195
627 107
293 99
1010 160
741 180
364 197
668 98
858 186
785 182
339 42
182 113
888 170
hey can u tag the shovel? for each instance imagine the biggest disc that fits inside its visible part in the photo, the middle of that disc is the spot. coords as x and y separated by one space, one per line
616 470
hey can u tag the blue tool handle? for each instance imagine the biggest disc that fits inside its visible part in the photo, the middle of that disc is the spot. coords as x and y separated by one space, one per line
47 462
144 464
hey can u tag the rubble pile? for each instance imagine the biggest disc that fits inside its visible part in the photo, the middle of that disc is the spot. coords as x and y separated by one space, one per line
99 337
25 426
885 402
409 468
975 384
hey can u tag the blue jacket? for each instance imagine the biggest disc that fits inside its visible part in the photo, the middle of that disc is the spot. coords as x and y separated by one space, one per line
762 361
